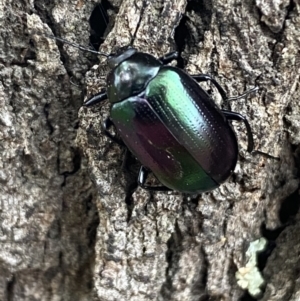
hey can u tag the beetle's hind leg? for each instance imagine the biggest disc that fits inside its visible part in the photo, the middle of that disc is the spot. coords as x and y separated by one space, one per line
107 124
142 178
238 117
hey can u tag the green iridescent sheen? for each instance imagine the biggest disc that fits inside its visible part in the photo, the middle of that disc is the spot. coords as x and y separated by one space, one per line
170 97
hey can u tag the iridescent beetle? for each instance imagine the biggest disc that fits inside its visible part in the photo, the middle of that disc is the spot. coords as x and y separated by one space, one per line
169 123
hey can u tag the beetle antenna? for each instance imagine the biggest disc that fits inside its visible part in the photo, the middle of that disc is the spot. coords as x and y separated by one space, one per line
103 13
99 20
73 44
144 5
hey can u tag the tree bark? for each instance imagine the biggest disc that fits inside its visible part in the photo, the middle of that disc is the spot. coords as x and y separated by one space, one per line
73 224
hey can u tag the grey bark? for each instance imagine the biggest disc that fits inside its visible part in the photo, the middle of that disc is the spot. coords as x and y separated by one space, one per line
70 228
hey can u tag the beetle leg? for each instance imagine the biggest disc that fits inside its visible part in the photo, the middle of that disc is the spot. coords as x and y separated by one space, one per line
244 95
205 78
107 124
142 178
97 98
236 116
169 57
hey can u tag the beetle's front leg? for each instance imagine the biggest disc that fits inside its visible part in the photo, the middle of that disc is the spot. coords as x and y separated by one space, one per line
142 178
97 98
169 57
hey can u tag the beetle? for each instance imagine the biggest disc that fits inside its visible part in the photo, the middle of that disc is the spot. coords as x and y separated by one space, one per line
169 123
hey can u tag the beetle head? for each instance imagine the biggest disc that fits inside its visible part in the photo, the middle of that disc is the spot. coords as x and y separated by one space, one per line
120 56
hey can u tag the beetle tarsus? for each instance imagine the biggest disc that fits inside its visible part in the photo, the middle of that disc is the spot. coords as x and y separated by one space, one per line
244 95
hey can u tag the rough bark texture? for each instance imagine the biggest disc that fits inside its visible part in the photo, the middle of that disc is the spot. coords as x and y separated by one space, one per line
65 237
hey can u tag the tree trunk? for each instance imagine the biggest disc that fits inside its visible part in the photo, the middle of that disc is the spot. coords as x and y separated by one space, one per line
74 224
